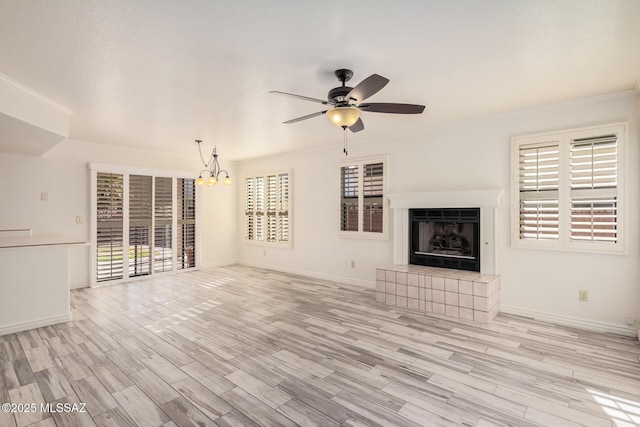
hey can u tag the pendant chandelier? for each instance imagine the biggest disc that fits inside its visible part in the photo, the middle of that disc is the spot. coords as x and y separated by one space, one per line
212 169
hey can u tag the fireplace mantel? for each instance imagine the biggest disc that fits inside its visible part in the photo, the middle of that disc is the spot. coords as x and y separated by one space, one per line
447 199
487 200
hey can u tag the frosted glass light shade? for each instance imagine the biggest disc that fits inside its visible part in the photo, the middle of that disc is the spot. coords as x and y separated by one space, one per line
344 116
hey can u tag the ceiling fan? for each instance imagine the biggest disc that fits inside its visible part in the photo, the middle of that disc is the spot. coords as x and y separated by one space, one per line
347 102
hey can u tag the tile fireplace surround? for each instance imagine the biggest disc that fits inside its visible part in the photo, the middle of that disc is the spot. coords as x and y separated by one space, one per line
452 293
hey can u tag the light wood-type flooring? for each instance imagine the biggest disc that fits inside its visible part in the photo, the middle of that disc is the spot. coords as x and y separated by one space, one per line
239 346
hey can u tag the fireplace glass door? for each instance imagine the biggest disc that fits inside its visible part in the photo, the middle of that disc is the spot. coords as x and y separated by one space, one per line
446 238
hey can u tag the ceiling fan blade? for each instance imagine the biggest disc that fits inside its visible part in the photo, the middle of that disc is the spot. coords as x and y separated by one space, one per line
386 107
304 98
308 116
367 87
357 126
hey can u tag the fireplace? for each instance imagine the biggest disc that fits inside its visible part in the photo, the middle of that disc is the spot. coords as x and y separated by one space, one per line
448 238
428 230
489 201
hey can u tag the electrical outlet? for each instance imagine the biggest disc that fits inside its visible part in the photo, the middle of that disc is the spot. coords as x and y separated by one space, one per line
78 220
631 321
44 197
353 263
583 295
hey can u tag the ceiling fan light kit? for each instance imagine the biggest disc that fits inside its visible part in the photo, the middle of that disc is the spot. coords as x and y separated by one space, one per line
343 117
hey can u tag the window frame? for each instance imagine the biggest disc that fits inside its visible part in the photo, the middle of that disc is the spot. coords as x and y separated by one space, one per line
126 171
163 223
564 241
278 211
139 216
360 163
182 221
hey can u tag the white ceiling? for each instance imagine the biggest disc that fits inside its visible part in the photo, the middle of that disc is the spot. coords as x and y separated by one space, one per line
159 74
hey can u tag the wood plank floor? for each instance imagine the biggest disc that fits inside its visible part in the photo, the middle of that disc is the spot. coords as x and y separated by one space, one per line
238 346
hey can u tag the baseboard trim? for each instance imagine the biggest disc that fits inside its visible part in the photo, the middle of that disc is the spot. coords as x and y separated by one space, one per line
79 285
32 324
314 274
219 263
576 322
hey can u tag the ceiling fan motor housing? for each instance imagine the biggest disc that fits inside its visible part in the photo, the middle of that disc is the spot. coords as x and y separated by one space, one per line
339 95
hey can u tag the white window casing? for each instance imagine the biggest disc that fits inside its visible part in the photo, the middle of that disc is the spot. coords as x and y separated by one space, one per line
109 219
363 210
163 226
144 222
140 224
568 189
186 218
267 203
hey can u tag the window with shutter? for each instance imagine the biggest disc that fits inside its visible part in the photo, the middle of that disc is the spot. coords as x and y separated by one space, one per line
362 198
143 223
249 214
139 225
163 236
349 212
271 208
569 189
283 207
260 209
267 208
373 192
594 181
186 223
539 171
109 225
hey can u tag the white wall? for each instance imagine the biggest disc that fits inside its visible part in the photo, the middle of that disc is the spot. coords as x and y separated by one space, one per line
465 156
317 249
470 155
62 173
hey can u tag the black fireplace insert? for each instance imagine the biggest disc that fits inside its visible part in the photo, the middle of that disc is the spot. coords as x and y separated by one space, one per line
448 238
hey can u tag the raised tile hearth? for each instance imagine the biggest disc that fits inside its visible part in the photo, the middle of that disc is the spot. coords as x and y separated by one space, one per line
453 293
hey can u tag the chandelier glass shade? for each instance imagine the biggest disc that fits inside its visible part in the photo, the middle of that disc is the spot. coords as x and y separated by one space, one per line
344 117
212 169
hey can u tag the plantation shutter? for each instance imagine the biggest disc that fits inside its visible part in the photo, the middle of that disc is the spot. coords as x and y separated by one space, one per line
259 227
186 223
283 207
109 221
162 237
349 178
140 210
594 194
267 201
539 172
249 213
271 191
373 190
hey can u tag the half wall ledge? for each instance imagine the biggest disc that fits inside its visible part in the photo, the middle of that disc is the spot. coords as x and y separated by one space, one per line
453 293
